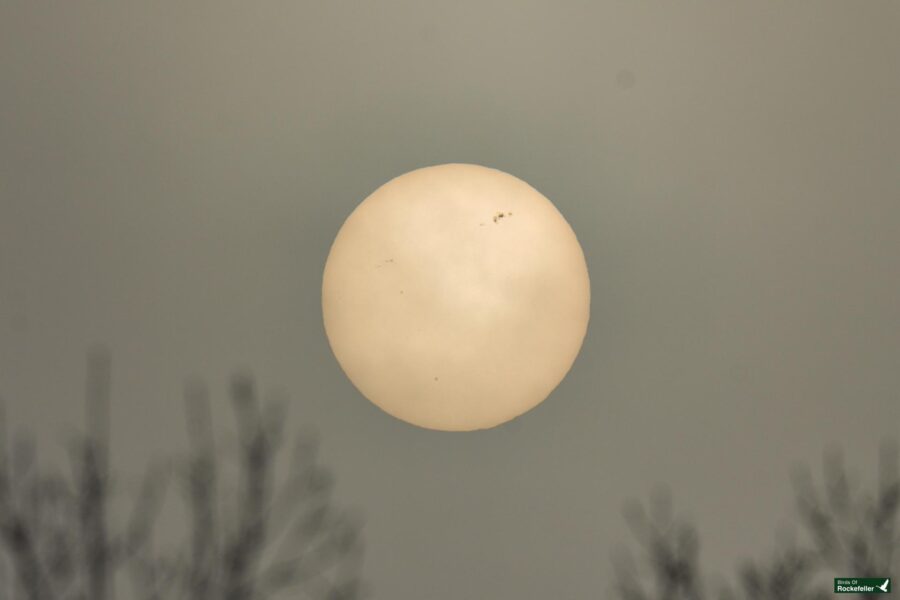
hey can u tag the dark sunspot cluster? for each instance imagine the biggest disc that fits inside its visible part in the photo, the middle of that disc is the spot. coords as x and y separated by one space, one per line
501 215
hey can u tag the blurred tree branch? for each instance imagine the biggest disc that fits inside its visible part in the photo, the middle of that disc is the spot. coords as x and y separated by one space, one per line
668 567
850 532
851 529
253 542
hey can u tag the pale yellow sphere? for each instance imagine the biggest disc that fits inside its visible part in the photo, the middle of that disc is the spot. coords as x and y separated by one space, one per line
456 297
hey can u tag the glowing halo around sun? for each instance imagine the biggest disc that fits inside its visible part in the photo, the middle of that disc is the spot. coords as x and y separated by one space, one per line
455 297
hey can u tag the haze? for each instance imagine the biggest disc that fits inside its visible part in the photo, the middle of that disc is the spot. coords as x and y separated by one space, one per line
172 174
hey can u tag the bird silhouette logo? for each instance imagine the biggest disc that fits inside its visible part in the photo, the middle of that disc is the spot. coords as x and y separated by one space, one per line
884 586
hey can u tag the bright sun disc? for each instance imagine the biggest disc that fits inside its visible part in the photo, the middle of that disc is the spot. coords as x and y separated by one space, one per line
456 297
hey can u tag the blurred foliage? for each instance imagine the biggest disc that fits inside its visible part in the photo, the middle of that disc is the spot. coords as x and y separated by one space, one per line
255 538
848 532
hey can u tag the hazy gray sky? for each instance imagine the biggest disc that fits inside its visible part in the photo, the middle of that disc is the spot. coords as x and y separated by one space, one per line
172 175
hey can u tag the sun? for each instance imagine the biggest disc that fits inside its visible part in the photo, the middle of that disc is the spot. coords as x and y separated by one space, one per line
456 297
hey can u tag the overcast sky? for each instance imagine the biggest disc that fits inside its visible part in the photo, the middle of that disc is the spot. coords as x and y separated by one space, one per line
172 175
